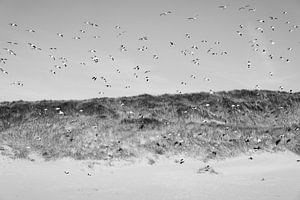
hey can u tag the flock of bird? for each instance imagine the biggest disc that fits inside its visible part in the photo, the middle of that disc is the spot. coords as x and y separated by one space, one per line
211 48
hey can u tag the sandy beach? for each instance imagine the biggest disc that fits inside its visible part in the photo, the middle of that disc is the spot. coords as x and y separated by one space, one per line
267 176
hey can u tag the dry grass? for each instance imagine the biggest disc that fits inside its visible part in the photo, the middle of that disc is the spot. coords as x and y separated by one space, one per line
206 126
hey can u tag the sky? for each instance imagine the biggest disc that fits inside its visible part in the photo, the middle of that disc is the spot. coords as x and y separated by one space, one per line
225 45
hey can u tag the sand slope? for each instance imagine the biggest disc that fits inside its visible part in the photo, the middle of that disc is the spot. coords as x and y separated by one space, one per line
238 178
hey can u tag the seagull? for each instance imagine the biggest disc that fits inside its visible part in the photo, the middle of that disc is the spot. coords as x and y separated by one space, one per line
240 33
273 18
248 64
92 51
3 71
12 43
273 28
60 35
11 52
94 78
95 59
82 31
3 60
96 36
53 48
120 34
172 44
137 68
143 48
261 20
52 71
143 38
260 29
34 46
123 48
187 35
223 7
206 79
57 66
13 24
30 30
155 56
193 18
76 38
165 13
111 57
117 27
19 83
224 53
51 56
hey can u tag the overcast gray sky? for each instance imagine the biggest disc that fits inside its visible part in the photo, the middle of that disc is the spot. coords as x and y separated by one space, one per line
272 63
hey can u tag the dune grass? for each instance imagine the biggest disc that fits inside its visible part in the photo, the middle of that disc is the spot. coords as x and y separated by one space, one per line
202 125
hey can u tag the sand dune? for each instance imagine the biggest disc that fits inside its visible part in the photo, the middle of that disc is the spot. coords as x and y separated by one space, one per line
267 176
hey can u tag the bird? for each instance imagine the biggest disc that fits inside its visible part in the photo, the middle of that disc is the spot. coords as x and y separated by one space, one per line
18 83
3 60
223 7
155 56
143 38
53 57
95 59
137 68
13 24
193 18
172 44
3 71
187 35
123 48
94 78
111 57
30 30
165 13
11 52
261 20
272 28
240 33
60 34
12 43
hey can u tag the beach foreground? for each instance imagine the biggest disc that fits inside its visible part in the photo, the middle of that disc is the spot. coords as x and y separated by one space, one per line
265 176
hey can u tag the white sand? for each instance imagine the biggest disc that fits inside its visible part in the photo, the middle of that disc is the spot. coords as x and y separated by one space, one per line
238 178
